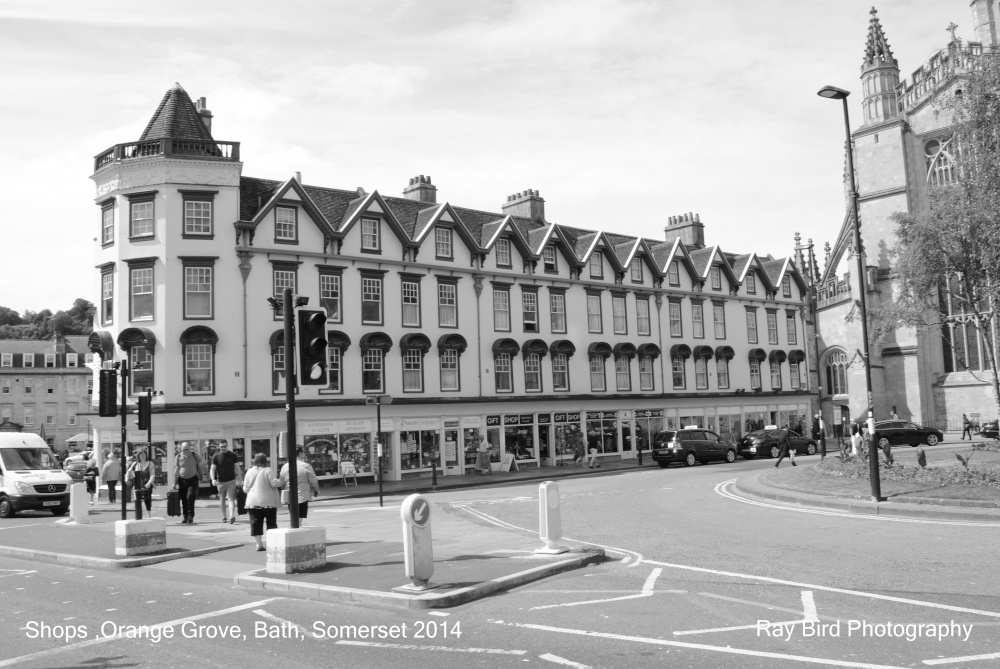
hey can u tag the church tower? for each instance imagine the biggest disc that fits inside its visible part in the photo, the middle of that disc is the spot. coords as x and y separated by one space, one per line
879 76
984 21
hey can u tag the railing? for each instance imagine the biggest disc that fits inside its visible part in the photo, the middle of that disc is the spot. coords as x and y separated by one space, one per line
939 69
833 289
183 148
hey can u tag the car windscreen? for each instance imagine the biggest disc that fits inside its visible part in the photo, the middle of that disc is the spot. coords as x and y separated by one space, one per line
33 459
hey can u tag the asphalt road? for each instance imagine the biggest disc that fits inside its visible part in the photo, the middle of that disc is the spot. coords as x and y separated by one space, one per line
692 573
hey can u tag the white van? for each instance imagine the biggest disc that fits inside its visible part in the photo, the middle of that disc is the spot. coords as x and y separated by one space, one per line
30 476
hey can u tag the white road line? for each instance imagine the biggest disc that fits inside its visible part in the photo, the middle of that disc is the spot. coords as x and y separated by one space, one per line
647 591
843 591
590 592
438 613
700 646
356 508
967 658
809 607
722 489
104 639
18 572
563 661
760 604
735 629
339 554
16 527
446 649
264 614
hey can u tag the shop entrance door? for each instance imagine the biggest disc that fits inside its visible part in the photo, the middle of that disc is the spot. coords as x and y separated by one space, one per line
546 451
452 453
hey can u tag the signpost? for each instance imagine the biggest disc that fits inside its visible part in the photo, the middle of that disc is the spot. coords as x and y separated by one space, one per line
378 401
418 549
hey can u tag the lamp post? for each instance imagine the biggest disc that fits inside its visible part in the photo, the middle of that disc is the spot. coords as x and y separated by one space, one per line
834 93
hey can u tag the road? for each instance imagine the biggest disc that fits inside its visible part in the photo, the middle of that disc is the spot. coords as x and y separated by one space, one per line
693 572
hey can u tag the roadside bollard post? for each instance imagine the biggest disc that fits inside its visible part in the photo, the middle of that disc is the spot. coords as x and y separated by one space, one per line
549 519
418 549
434 473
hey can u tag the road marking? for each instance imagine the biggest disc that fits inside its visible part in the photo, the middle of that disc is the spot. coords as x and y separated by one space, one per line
843 591
967 658
581 592
264 614
339 554
736 628
700 646
446 649
760 604
809 607
21 572
16 527
647 591
808 610
722 489
356 508
438 613
562 660
114 637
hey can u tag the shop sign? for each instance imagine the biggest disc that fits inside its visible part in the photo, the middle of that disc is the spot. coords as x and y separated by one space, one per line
472 421
492 420
388 425
356 425
210 432
649 413
593 415
185 433
451 423
307 427
625 414
527 419
135 435
544 418
511 420
261 431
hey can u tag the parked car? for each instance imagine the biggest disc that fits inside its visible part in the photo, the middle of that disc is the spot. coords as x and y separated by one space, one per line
767 443
76 469
78 457
898 432
990 430
690 445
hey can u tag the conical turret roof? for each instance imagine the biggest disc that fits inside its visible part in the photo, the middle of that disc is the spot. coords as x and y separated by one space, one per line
877 51
176 118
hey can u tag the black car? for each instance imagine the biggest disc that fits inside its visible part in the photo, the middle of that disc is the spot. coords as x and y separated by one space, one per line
990 430
691 445
899 432
767 443
76 469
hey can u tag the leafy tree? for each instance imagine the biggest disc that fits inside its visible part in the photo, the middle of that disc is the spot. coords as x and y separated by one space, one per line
9 317
44 324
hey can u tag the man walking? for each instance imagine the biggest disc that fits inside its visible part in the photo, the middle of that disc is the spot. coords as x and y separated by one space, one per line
110 473
187 469
786 450
966 427
224 472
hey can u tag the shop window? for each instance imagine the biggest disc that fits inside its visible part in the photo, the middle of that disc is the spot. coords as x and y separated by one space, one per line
419 448
602 431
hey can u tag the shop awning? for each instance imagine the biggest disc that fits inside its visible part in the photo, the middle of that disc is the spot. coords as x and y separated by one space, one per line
338 339
200 334
650 350
454 341
757 354
624 350
102 344
276 340
535 346
703 352
777 355
562 347
796 355
680 351
724 352
414 342
378 340
506 345
600 348
136 337
82 436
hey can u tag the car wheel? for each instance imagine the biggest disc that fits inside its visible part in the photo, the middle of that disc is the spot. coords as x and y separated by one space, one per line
811 448
775 451
60 512
690 460
883 442
932 440
663 465
6 508
730 456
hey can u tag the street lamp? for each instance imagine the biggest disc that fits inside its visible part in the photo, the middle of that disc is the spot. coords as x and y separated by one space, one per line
834 93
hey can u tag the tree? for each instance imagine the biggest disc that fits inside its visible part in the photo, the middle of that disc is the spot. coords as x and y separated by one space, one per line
9 317
44 324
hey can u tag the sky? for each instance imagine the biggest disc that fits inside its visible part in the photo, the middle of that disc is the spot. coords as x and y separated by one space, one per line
620 113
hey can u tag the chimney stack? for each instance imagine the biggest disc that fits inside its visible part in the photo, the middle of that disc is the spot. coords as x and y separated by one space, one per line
688 228
421 189
526 204
206 116
298 177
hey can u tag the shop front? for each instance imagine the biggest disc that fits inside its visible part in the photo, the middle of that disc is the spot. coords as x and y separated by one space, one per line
338 448
569 438
647 423
602 433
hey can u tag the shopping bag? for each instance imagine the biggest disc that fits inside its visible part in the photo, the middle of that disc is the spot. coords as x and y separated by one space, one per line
241 501
173 503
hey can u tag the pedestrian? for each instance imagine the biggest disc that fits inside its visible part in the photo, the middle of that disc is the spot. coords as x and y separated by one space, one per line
90 475
261 487
187 471
110 473
140 477
307 484
966 427
786 449
483 457
815 428
224 473
857 441
579 451
893 415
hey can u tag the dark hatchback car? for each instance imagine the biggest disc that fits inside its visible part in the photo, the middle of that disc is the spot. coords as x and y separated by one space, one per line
899 432
990 430
767 443
76 469
691 445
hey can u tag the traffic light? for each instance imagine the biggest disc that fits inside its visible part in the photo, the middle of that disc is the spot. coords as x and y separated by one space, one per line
145 408
312 348
107 406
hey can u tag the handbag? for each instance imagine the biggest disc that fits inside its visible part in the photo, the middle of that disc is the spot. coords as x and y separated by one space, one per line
241 501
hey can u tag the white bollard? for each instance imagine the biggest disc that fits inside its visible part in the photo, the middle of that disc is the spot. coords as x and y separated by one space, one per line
549 519
418 548
79 503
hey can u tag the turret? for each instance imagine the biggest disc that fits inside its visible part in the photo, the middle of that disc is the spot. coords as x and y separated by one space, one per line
984 21
879 76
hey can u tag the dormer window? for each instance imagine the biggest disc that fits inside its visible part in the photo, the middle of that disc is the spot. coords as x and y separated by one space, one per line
636 269
786 286
673 274
503 253
549 258
371 239
751 284
442 243
596 266
715 274
285 227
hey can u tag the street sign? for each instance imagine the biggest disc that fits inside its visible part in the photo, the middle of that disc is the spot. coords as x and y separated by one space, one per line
418 549
420 512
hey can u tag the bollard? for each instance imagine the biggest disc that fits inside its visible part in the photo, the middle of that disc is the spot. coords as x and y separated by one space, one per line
549 519
639 453
434 474
418 548
79 506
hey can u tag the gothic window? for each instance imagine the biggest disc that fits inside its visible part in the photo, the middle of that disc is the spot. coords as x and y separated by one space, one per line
940 156
836 373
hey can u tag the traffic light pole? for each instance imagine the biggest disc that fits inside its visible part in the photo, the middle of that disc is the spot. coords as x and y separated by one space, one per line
288 308
123 372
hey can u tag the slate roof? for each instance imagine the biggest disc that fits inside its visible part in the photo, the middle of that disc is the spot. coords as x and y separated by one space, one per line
773 270
176 118
476 221
700 259
739 262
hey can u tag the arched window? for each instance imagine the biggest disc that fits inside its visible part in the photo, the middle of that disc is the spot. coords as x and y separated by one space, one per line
939 154
836 373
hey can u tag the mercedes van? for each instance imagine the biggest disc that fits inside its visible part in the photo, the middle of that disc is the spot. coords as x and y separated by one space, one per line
30 476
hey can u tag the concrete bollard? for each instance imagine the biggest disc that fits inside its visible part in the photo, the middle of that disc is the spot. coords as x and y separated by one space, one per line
418 547
294 550
139 537
549 519
79 503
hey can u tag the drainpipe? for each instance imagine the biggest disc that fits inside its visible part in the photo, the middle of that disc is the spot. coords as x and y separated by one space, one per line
244 257
659 333
477 282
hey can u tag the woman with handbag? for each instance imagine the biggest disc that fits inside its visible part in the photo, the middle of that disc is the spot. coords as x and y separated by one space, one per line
140 477
307 484
261 487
